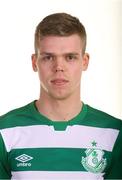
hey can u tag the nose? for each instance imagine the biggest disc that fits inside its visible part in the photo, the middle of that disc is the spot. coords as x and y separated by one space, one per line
59 65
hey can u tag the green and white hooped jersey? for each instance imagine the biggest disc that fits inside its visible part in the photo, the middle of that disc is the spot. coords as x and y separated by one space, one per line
34 147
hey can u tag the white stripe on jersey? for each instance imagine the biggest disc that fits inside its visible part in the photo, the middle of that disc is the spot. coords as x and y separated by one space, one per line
57 175
75 136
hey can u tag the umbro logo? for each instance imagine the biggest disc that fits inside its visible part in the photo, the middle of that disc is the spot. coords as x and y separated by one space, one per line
24 158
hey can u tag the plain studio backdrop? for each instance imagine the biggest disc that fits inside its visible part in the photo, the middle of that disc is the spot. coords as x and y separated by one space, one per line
101 84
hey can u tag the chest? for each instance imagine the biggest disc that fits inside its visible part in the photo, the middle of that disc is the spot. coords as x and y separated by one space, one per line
78 149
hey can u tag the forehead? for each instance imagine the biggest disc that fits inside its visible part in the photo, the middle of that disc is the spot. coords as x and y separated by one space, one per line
61 43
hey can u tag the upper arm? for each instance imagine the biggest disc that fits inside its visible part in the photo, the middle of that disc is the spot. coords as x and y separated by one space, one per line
4 165
115 169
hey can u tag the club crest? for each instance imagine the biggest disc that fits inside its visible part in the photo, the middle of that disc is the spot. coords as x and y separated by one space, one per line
94 161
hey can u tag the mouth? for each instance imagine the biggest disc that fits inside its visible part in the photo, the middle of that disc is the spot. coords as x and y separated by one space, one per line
59 82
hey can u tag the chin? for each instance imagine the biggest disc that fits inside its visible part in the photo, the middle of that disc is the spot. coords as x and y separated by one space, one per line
59 96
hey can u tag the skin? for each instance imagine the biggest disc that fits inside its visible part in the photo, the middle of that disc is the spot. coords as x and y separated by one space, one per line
60 63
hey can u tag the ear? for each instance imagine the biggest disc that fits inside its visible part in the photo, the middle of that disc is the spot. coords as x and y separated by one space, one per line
34 62
85 61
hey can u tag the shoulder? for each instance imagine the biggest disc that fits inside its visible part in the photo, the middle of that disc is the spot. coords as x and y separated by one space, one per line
103 119
13 117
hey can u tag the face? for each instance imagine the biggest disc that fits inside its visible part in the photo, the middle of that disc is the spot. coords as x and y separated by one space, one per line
60 63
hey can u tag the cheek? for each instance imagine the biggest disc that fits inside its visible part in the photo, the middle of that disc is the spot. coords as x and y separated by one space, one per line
75 76
43 74
78 76
76 72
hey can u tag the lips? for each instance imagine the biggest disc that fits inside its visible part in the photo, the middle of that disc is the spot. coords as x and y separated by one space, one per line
59 82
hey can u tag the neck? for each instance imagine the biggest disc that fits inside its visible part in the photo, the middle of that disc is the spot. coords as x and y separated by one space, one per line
59 110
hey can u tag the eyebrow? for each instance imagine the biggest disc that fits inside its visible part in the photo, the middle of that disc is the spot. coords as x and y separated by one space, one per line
46 53
67 53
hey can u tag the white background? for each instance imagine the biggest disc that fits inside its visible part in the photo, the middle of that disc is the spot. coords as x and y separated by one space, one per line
101 84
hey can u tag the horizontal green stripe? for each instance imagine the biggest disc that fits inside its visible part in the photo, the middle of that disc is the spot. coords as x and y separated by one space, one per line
50 159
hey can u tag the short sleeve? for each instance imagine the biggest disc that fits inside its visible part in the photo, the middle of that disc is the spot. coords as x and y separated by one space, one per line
4 165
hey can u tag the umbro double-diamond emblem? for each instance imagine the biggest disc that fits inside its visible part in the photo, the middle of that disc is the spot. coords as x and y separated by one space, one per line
24 158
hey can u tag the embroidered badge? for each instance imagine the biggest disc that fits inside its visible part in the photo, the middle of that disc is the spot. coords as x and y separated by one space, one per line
94 161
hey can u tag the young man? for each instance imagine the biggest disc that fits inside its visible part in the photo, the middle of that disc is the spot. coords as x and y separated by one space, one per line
58 136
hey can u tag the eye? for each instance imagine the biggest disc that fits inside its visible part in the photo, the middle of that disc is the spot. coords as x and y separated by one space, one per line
47 58
71 57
